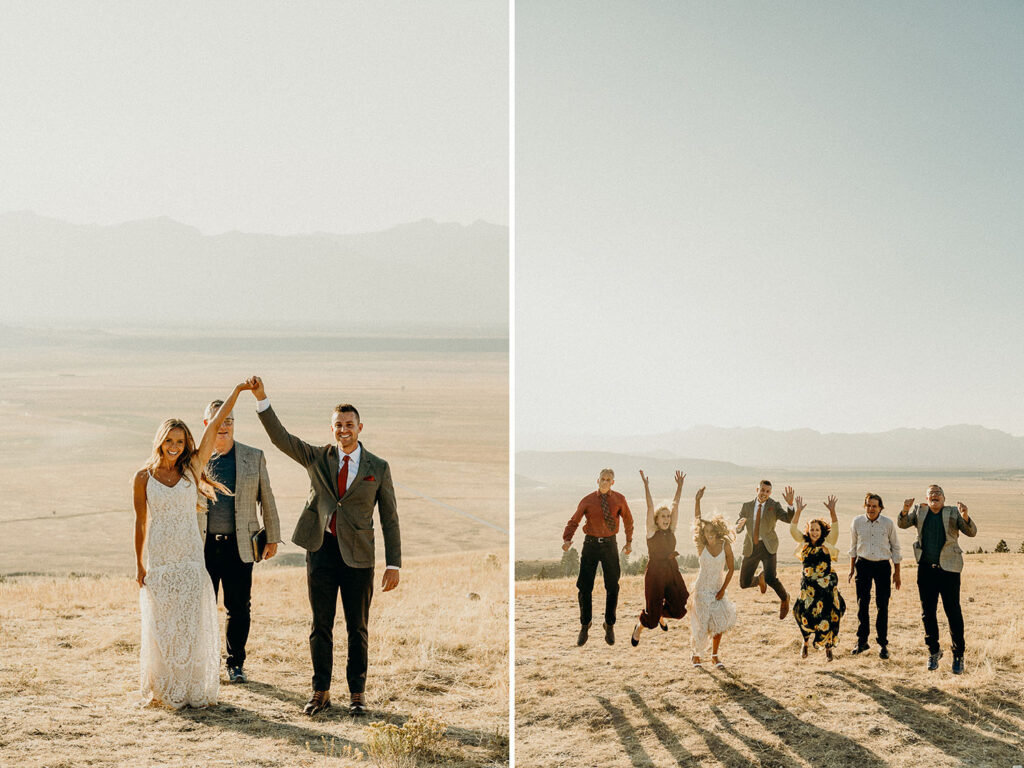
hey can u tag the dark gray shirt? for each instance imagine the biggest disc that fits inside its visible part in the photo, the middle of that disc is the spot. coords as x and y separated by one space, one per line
220 517
933 538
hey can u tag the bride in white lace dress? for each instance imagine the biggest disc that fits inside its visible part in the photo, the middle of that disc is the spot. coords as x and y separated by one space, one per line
712 613
180 647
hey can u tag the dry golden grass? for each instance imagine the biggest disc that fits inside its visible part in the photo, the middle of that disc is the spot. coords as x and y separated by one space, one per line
646 706
69 674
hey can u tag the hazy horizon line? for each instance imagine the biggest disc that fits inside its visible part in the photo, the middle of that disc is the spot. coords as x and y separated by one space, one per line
315 233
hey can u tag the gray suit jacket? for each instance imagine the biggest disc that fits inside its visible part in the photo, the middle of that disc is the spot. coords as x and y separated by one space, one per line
951 557
354 525
252 487
770 514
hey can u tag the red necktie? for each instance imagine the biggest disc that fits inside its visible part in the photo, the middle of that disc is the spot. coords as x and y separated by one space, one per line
342 487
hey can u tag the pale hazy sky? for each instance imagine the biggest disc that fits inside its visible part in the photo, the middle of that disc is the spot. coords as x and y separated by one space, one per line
768 214
282 117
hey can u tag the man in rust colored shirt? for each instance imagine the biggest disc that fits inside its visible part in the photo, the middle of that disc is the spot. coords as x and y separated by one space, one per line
602 510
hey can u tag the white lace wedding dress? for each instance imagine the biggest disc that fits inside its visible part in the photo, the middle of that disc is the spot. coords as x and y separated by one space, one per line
709 616
180 649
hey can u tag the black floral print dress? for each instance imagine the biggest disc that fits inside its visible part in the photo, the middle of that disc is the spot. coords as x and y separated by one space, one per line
820 606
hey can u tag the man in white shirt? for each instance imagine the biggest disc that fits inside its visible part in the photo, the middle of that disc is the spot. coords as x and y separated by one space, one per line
873 546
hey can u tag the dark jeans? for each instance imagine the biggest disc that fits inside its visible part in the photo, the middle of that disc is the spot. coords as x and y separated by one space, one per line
226 567
879 573
932 583
607 554
760 554
326 574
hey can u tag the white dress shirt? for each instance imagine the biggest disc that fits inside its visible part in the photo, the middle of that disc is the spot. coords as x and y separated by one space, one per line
874 540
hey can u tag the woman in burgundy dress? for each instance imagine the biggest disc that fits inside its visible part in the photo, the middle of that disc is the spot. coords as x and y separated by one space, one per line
664 588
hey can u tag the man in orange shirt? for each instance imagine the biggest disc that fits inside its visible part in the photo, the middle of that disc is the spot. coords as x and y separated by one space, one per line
603 508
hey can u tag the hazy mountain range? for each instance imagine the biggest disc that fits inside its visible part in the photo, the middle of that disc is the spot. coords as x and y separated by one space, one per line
420 276
961 446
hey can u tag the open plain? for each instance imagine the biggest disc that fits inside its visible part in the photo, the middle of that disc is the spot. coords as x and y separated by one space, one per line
78 410
624 707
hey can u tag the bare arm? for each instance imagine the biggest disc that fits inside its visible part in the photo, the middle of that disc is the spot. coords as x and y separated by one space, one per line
731 563
139 501
650 504
205 450
696 516
680 478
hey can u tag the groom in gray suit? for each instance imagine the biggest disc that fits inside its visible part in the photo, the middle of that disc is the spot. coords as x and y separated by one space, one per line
336 530
939 563
760 544
227 527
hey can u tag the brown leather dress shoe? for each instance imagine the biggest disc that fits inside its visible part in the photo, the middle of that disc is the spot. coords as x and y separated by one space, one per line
784 607
320 701
761 583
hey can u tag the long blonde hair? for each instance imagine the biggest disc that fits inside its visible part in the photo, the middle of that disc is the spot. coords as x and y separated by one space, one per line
716 527
188 463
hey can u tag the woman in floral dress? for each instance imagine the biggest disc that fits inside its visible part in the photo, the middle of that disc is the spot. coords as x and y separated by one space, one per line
820 606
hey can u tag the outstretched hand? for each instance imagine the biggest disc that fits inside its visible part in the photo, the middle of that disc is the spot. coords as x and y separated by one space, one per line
787 494
800 506
680 477
700 493
830 505
644 478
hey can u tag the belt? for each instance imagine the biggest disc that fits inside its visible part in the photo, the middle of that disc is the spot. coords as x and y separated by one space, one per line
599 539
222 536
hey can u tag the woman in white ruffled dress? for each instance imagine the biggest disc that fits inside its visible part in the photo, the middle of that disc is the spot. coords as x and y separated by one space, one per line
712 613
180 646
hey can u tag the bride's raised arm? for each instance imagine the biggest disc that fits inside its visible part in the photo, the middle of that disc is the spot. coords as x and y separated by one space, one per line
205 449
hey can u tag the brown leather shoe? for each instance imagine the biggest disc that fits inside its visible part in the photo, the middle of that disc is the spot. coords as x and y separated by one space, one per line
761 583
784 607
320 701
357 705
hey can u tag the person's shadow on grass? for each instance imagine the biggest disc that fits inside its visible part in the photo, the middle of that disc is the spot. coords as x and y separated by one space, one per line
944 730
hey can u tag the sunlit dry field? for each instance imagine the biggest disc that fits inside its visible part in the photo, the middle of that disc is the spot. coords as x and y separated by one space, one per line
625 707
69 661
78 415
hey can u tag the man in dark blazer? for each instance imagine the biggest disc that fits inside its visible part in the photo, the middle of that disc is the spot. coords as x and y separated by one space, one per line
760 544
336 530
939 563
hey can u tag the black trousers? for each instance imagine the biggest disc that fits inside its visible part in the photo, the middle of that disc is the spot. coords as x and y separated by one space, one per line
866 574
606 553
326 575
226 568
761 555
932 583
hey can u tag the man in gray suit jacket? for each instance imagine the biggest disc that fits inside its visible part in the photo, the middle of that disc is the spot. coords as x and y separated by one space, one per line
939 563
761 543
336 530
227 526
